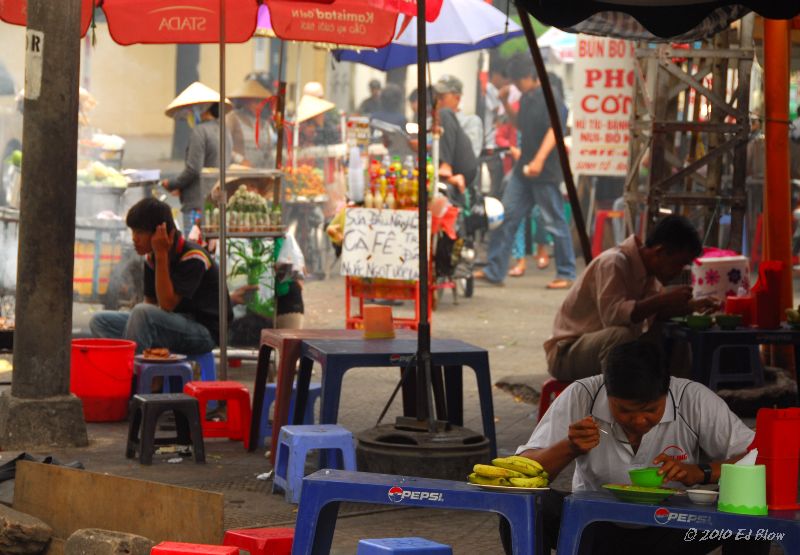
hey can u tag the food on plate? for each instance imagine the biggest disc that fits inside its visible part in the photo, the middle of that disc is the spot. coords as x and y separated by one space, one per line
513 471
156 352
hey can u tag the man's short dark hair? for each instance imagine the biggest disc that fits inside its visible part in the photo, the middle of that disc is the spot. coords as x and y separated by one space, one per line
392 99
500 68
521 66
636 371
676 234
149 213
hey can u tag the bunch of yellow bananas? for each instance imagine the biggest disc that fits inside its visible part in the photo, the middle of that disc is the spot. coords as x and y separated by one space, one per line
510 471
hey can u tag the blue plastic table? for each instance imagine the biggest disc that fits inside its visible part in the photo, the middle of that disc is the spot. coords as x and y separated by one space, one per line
325 489
583 508
704 343
338 356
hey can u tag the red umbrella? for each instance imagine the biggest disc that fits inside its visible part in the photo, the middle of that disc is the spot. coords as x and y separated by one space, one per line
353 22
16 13
187 22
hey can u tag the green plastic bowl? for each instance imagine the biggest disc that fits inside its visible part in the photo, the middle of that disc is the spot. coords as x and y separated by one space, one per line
728 321
699 321
646 477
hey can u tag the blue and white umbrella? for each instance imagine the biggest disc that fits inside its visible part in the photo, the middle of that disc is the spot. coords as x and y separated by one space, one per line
462 26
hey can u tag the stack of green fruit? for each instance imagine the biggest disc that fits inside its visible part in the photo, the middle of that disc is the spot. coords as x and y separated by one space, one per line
247 210
516 471
97 174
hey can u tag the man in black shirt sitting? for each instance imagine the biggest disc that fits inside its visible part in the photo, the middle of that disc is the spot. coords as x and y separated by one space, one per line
181 289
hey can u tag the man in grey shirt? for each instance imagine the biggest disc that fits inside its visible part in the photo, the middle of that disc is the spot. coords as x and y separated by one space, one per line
202 152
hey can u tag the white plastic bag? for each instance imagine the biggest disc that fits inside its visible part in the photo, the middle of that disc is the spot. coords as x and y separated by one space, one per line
292 256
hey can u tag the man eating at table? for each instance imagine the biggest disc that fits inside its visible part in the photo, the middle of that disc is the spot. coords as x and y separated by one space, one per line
620 297
635 415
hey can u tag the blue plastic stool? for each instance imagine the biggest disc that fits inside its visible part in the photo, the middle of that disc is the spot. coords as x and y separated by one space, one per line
293 446
208 367
392 546
171 371
265 427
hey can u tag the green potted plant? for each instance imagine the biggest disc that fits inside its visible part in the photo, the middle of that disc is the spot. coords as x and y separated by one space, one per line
253 259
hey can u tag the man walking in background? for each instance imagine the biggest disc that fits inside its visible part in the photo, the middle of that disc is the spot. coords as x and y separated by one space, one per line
535 179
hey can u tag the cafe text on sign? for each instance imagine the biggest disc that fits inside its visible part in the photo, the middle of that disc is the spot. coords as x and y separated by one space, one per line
381 243
602 106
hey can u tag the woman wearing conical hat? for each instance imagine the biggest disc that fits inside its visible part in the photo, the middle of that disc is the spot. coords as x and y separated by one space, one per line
250 125
199 104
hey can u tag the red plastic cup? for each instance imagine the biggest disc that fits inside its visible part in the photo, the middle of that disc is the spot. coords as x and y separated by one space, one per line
742 306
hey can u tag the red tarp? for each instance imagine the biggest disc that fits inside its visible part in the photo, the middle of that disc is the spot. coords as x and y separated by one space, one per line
179 22
16 13
351 22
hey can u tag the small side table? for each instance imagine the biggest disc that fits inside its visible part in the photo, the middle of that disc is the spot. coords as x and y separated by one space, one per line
286 344
705 343
337 357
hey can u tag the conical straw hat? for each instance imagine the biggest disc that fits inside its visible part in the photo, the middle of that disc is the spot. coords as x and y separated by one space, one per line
251 89
196 93
311 106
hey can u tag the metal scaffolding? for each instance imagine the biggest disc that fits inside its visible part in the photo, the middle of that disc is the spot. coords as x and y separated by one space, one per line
691 122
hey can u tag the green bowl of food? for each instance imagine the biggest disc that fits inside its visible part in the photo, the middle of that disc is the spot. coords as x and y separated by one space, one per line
646 477
699 322
728 321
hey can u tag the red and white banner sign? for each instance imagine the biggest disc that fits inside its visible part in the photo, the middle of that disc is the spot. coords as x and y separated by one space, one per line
348 22
602 106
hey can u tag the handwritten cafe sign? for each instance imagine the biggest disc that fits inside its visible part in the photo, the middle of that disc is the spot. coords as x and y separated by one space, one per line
381 243
602 106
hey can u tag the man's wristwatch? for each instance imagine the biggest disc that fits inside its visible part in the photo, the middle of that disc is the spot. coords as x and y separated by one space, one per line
706 468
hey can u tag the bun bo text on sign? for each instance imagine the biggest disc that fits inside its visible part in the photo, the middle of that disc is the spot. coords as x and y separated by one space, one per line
602 105
382 243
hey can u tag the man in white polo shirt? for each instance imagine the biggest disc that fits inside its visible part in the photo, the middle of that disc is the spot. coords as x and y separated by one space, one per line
636 415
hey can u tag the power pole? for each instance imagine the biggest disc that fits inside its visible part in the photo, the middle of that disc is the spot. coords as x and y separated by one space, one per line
40 410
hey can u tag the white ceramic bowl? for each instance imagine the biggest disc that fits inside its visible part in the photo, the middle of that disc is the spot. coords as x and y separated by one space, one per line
702 496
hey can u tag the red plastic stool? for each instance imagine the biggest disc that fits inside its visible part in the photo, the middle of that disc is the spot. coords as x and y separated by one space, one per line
262 541
600 227
551 389
178 548
237 426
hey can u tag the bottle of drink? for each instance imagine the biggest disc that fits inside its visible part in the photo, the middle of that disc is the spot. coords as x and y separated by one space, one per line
391 200
377 198
369 196
386 162
415 188
402 189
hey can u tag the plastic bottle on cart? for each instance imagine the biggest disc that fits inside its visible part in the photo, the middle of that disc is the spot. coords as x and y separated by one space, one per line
391 200
415 188
369 196
386 161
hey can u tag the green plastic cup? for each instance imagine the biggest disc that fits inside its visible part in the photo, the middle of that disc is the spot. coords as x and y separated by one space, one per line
743 489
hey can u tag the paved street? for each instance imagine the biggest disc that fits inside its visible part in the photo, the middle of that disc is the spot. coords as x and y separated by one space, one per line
510 321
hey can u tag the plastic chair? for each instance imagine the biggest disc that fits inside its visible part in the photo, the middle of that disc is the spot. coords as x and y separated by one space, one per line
178 374
237 425
261 541
600 227
208 366
144 412
754 374
179 548
399 546
551 389
265 426
293 446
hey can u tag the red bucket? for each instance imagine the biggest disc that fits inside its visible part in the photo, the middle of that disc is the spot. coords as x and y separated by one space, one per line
101 371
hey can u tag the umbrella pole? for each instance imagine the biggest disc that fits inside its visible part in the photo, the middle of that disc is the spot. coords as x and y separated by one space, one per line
425 401
296 128
555 123
223 250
